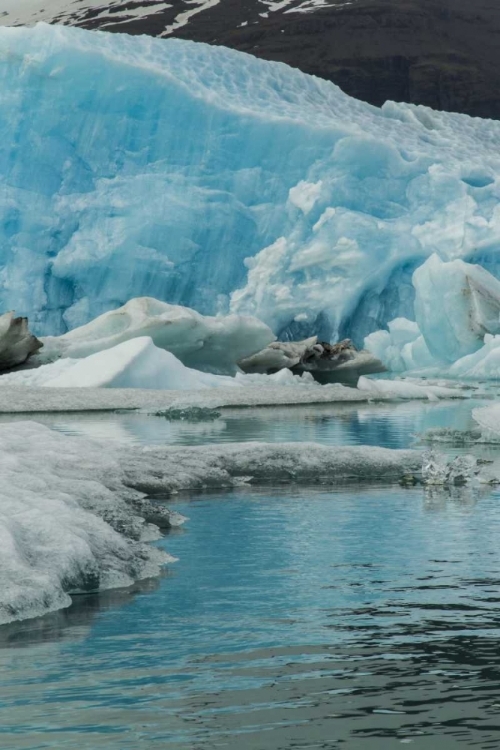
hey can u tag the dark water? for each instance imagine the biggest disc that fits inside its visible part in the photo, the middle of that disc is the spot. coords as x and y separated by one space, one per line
355 618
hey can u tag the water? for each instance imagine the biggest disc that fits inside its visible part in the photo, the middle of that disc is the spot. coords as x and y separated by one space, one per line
294 618
391 425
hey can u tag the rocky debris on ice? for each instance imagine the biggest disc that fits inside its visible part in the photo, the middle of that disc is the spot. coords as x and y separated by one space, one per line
328 363
74 515
203 342
457 310
17 344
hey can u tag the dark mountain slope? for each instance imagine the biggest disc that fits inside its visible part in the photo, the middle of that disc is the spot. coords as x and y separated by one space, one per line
442 53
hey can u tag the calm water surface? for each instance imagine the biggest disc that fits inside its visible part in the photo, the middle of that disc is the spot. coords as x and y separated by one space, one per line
365 618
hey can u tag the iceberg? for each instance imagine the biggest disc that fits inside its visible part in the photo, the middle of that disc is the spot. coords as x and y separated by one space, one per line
202 342
204 177
74 516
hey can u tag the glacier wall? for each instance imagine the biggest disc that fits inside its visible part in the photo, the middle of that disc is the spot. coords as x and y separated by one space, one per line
132 166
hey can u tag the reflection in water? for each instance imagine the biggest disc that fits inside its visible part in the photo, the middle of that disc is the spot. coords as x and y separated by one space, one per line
294 619
389 425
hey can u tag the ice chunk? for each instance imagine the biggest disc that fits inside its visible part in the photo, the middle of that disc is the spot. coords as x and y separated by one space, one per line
407 389
456 304
136 363
457 309
17 344
401 347
440 470
483 364
73 516
488 418
206 343
208 178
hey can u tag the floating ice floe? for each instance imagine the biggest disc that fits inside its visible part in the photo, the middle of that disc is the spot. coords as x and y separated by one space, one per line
74 517
457 310
199 341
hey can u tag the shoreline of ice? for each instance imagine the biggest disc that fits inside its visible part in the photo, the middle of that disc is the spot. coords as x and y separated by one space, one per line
78 515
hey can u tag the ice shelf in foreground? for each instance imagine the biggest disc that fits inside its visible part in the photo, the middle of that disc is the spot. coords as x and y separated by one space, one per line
205 177
73 515
457 310
203 342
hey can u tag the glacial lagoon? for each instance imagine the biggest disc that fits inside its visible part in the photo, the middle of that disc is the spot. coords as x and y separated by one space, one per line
294 618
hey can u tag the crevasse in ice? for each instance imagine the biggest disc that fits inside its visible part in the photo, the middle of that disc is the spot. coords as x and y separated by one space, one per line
202 176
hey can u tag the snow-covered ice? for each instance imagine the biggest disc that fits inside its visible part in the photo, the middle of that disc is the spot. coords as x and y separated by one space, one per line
203 342
67 522
205 177
74 516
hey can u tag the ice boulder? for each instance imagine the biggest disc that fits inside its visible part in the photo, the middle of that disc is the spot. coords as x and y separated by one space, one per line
208 178
456 304
17 344
400 348
481 365
203 342
136 363
457 310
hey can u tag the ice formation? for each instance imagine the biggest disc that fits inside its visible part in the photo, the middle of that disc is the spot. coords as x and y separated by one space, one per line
203 342
69 522
74 517
457 310
205 177
138 363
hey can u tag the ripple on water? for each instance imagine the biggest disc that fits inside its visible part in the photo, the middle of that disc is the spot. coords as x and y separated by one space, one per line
294 619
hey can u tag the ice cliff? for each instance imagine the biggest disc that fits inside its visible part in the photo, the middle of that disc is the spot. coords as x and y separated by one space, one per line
201 176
